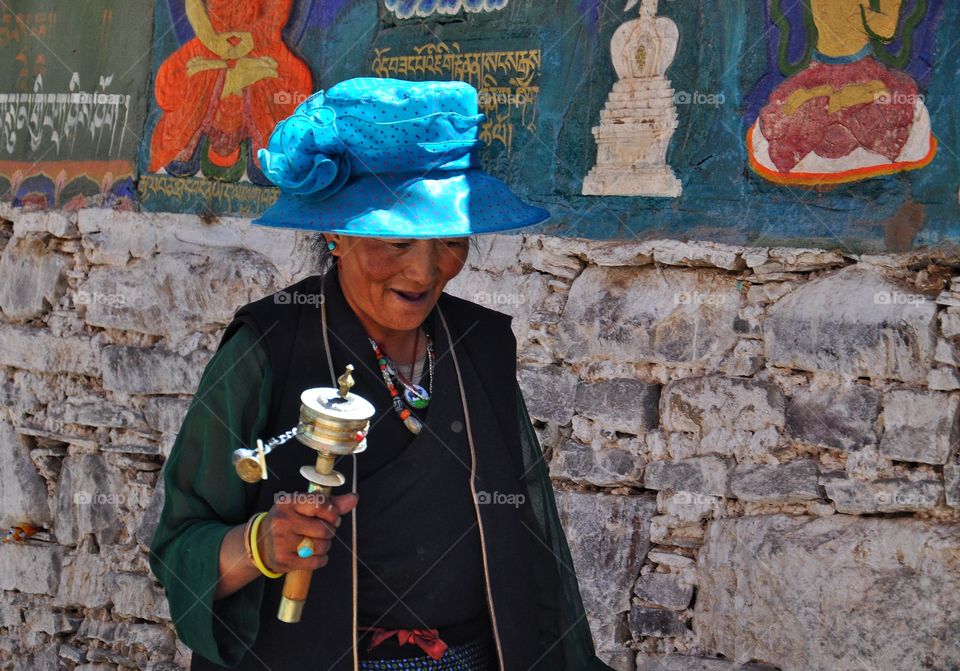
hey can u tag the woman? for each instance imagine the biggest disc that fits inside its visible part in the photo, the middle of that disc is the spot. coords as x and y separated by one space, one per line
454 558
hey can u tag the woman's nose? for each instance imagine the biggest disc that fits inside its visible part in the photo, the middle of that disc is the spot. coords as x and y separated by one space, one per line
422 266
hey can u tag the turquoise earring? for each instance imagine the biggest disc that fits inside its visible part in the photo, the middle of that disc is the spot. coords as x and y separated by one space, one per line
331 245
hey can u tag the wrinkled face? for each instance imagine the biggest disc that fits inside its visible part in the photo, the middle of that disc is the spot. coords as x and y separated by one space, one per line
392 284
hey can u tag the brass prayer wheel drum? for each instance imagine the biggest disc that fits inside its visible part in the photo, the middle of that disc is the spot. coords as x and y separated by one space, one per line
333 423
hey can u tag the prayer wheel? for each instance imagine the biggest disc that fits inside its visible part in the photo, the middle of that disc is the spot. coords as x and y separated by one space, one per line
334 422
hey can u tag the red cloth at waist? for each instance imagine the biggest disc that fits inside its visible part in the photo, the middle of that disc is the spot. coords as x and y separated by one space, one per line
428 639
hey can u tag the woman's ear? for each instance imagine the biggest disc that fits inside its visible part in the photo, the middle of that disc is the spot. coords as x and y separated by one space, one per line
333 241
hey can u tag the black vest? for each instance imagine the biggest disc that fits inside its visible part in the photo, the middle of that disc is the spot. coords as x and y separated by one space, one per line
290 329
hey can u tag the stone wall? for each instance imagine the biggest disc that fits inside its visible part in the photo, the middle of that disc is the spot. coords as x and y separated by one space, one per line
754 449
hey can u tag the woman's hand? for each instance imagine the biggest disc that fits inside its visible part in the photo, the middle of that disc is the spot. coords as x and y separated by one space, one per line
295 517
290 520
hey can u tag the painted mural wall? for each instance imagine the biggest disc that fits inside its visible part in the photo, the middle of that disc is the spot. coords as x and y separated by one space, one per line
827 122
71 107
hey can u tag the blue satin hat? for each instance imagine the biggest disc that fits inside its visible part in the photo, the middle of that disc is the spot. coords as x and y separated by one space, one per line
387 158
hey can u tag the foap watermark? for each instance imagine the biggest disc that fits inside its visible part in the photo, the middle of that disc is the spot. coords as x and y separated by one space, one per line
297 498
897 298
698 298
685 498
289 97
711 99
498 298
908 498
490 98
898 98
297 298
500 499
84 498
96 98
99 298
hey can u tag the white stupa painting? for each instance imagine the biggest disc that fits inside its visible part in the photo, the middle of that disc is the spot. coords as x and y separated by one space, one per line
640 117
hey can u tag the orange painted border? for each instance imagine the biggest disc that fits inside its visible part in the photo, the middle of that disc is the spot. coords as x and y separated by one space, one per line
854 175
93 170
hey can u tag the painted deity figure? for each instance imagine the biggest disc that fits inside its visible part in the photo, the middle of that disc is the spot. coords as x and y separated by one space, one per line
233 81
846 116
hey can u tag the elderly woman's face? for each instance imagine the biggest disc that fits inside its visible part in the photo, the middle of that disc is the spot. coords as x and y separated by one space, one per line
394 283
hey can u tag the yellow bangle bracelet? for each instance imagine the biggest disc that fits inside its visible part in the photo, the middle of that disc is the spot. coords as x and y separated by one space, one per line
255 551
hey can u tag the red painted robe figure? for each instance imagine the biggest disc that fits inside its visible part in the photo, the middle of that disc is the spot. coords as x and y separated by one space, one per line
845 117
235 80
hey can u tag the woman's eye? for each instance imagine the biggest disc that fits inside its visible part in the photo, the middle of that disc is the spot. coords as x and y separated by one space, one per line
456 243
400 244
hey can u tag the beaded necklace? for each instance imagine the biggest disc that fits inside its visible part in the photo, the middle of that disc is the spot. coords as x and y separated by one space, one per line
413 394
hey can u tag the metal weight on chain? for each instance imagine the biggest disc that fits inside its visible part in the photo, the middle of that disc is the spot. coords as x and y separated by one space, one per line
334 422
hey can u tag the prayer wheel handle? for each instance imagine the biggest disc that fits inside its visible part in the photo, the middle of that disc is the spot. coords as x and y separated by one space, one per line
296 584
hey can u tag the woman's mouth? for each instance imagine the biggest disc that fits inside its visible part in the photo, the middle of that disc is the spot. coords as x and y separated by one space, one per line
411 297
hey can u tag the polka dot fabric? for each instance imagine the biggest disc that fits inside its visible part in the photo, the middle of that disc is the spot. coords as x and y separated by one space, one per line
387 158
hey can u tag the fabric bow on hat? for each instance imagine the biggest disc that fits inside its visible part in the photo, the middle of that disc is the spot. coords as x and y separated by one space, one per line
316 150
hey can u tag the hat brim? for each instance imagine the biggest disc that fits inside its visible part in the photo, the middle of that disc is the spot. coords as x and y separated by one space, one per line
440 204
